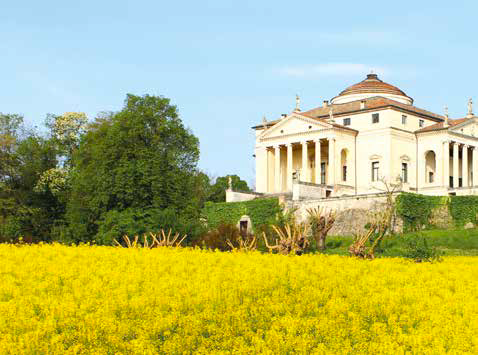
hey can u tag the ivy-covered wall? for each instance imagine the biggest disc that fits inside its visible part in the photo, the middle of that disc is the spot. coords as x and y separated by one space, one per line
261 211
463 209
416 210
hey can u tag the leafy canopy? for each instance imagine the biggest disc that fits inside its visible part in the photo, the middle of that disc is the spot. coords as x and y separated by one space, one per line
139 158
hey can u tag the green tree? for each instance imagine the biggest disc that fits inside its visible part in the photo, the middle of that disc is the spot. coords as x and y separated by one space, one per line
24 156
141 158
218 189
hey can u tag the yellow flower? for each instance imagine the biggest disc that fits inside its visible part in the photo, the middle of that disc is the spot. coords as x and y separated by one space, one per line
92 299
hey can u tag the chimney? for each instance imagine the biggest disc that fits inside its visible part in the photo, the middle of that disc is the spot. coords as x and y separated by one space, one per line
362 104
326 103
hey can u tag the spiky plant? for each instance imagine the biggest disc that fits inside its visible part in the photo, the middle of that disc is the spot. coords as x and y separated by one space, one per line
292 239
157 240
244 244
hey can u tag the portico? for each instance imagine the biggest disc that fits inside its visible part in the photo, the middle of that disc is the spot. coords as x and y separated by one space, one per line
309 161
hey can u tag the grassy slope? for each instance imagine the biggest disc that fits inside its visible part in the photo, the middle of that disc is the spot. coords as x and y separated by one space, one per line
451 242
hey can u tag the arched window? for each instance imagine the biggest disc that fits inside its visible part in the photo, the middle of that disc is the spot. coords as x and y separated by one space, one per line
343 164
430 166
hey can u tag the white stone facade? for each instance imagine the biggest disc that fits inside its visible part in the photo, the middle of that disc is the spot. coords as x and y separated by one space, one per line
369 132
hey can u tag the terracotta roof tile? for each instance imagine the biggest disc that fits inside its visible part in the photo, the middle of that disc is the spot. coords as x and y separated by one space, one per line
372 84
371 103
440 125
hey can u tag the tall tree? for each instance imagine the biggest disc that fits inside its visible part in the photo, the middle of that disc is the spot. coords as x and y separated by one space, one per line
137 159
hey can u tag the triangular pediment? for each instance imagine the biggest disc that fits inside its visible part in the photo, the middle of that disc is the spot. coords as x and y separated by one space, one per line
294 124
468 127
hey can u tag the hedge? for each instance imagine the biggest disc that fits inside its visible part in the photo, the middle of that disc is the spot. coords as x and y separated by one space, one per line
261 211
415 209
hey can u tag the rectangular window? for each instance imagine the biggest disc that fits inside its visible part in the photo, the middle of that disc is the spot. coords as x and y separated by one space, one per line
322 173
404 172
375 171
375 117
430 176
421 123
404 119
344 173
347 121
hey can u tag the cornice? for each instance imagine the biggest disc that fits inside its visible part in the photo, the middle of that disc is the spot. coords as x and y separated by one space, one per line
299 134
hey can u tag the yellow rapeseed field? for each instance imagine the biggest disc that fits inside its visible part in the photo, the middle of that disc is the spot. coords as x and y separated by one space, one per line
105 300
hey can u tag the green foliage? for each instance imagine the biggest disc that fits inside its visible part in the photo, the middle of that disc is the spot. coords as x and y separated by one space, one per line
129 172
416 209
218 190
140 158
137 221
418 249
24 211
261 211
449 242
464 209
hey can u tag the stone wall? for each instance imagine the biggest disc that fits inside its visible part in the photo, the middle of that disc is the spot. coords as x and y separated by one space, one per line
305 190
352 212
236 196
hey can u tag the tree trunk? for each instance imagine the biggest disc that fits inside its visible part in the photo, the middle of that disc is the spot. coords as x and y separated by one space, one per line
321 241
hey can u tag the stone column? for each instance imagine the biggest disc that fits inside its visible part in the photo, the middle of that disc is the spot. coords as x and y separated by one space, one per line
277 182
474 181
446 164
304 174
289 167
455 165
464 166
331 173
317 161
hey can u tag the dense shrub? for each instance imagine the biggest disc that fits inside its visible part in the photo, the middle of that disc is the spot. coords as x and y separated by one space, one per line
217 238
418 249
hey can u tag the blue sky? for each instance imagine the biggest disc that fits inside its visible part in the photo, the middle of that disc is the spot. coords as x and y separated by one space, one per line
225 64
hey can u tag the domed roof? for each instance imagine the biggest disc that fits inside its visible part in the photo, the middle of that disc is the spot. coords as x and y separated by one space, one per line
371 86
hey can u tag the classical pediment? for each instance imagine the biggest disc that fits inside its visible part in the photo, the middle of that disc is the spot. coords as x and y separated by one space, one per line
468 128
294 124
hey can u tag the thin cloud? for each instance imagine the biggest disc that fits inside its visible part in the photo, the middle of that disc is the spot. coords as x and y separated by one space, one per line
329 69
